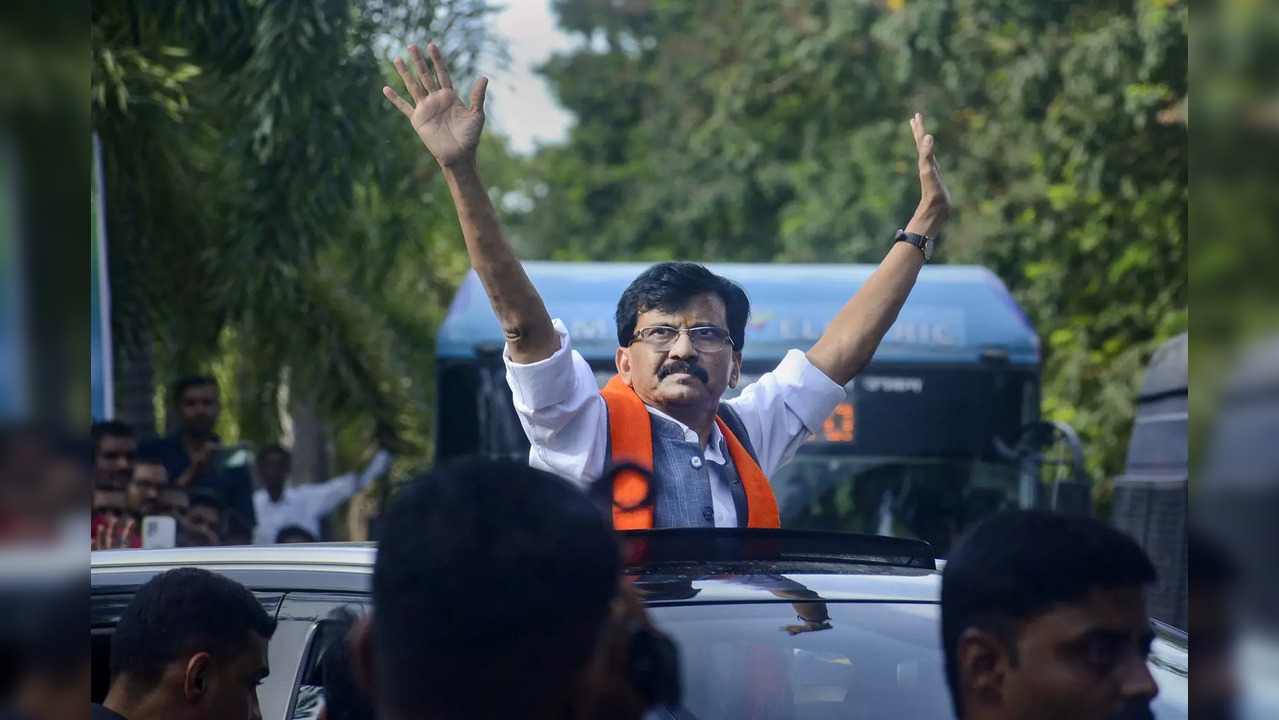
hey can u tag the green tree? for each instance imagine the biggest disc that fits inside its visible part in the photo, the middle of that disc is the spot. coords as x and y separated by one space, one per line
264 219
764 131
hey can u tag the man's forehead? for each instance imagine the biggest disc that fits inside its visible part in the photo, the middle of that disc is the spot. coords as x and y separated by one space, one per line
116 442
150 470
1103 609
200 392
703 308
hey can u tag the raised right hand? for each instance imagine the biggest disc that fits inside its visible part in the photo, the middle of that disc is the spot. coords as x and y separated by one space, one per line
449 129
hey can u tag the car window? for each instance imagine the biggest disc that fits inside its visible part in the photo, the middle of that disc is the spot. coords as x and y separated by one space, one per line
310 691
873 661
105 608
309 614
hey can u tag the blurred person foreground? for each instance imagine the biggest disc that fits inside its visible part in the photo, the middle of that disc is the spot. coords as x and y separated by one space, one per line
1234 593
506 581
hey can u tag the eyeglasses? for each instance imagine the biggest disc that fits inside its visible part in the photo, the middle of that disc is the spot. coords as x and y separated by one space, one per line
705 339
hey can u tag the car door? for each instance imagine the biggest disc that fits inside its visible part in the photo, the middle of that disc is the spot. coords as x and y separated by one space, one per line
294 651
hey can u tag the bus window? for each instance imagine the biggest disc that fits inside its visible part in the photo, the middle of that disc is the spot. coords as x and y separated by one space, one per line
927 499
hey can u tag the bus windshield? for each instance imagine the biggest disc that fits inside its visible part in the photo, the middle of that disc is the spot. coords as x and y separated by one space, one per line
928 499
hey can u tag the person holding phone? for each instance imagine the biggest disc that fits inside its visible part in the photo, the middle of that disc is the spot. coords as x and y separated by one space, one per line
118 528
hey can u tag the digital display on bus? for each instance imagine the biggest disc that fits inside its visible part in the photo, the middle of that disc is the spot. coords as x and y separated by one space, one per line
927 413
838 428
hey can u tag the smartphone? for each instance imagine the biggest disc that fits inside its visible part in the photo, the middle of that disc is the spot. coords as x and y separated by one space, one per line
159 531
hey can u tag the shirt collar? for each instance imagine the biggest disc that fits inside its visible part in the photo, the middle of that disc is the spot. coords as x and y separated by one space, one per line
715 444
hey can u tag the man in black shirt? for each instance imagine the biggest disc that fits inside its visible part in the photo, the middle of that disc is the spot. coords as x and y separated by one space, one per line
191 645
194 455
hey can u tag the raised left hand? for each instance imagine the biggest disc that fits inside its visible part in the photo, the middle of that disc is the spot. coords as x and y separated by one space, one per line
934 201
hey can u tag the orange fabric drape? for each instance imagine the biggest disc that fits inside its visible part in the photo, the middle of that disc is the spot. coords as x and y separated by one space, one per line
631 433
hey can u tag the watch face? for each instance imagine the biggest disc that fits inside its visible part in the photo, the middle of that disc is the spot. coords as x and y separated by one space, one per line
928 249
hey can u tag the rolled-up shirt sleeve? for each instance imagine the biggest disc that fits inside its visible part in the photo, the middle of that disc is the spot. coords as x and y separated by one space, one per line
784 407
562 412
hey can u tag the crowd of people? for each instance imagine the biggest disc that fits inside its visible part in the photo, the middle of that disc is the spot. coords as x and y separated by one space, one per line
214 495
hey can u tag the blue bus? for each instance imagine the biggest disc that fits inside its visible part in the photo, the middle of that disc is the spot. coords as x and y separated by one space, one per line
923 444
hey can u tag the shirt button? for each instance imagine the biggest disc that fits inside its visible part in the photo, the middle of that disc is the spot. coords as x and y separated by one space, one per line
696 461
708 513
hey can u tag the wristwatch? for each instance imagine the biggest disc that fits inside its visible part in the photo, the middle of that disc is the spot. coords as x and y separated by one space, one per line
925 244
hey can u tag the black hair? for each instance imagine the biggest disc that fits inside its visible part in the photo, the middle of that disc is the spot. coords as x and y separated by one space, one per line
343 696
489 573
668 286
294 530
107 428
207 498
181 612
148 456
1014 566
192 381
274 449
1208 564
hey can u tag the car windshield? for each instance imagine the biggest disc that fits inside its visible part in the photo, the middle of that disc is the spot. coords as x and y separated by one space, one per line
871 661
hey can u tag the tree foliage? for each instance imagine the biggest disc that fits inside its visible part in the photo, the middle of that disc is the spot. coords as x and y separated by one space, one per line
268 216
753 130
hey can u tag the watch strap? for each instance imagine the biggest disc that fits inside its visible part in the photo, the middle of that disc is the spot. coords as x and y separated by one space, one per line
920 241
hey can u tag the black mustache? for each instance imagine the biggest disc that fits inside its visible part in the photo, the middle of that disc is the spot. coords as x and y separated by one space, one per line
685 367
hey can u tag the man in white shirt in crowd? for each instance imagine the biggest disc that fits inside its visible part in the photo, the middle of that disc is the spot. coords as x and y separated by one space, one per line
279 505
680 333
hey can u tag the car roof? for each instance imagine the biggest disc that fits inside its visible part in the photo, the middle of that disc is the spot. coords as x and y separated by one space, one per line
864 573
316 567
956 314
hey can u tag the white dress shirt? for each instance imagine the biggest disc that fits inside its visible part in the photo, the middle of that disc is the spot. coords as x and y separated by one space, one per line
566 418
306 505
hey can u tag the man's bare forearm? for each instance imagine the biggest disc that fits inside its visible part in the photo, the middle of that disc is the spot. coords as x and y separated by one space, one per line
849 343
525 322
